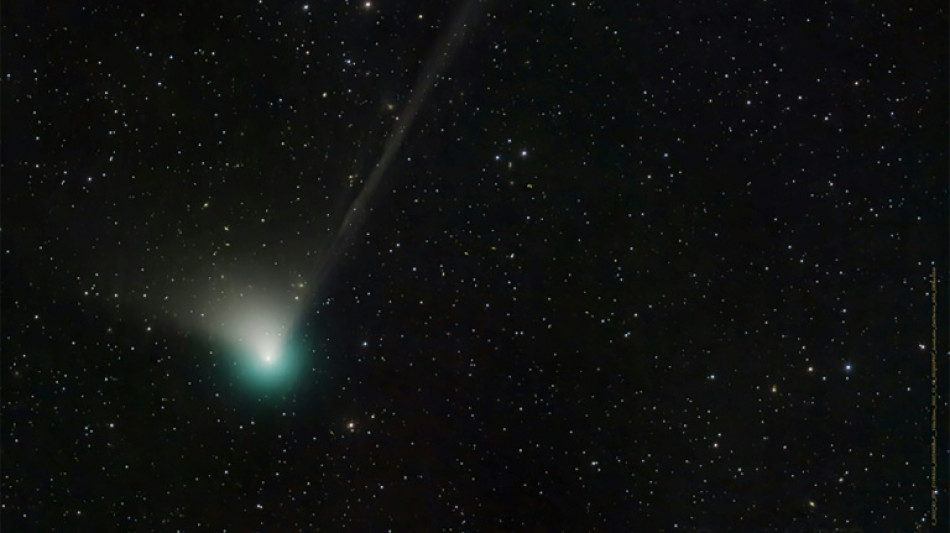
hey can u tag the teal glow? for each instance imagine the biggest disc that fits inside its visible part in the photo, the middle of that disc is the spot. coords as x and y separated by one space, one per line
266 355
270 366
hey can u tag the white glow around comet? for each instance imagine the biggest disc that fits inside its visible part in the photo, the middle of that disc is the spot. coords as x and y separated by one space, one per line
257 333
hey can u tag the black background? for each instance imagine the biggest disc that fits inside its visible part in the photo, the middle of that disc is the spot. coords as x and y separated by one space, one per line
647 266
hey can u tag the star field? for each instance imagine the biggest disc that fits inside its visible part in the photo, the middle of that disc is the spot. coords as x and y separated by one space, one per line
474 266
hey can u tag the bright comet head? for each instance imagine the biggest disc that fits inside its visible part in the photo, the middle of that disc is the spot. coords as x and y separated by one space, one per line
268 357
259 339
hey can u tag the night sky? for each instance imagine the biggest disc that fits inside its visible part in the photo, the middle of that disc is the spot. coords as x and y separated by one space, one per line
474 266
